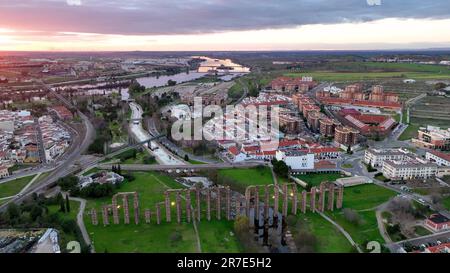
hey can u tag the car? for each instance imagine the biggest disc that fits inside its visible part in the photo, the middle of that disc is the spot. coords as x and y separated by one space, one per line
421 201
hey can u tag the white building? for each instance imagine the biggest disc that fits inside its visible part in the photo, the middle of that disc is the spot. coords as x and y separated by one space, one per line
412 168
440 158
376 157
296 160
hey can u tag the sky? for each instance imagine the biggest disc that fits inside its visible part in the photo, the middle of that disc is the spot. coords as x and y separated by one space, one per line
124 25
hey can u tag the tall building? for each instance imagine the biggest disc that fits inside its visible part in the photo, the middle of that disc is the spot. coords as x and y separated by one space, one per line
346 136
327 126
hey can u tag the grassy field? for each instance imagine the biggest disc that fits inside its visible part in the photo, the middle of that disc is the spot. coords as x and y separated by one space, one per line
361 76
218 237
317 178
421 231
171 237
329 239
363 199
366 196
242 178
410 132
446 202
13 187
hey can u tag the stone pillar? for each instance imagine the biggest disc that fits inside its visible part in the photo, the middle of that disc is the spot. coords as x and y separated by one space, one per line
218 203
208 204
331 197
340 198
321 205
147 215
94 219
276 193
178 207
167 204
105 215
136 208
313 199
285 200
126 210
294 199
115 210
238 207
304 197
188 205
248 195
256 202
199 208
228 206
158 213
266 201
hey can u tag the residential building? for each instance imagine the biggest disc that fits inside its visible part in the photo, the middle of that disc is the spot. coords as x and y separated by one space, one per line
4 172
437 222
433 138
440 158
409 168
346 136
376 157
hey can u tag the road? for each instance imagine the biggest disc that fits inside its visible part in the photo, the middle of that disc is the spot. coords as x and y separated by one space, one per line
441 236
65 167
163 156
146 167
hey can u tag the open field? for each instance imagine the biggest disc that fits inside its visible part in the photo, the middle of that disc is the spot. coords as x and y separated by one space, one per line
242 178
410 132
13 187
362 76
329 239
214 236
317 178
363 199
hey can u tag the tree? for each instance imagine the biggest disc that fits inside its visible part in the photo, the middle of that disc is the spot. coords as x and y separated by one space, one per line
186 158
13 211
67 203
62 207
119 170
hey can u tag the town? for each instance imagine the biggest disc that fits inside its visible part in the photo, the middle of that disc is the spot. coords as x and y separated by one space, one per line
112 143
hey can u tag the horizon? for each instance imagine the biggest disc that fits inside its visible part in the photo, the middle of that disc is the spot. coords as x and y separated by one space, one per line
112 26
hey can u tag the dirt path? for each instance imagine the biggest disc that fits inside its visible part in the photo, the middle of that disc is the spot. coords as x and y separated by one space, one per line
342 230
382 228
80 221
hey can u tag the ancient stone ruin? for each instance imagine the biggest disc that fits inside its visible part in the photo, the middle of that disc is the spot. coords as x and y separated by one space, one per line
257 202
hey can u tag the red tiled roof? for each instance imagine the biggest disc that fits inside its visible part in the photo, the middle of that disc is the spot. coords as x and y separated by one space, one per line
233 150
442 155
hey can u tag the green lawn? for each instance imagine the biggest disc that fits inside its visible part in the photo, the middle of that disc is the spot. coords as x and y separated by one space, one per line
240 179
347 166
329 239
421 231
366 231
218 237
315 179
446 202
410 132
366 196
167 237
13 187
364 199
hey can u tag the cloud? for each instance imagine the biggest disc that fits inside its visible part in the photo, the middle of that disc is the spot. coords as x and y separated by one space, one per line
73 2
143 17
